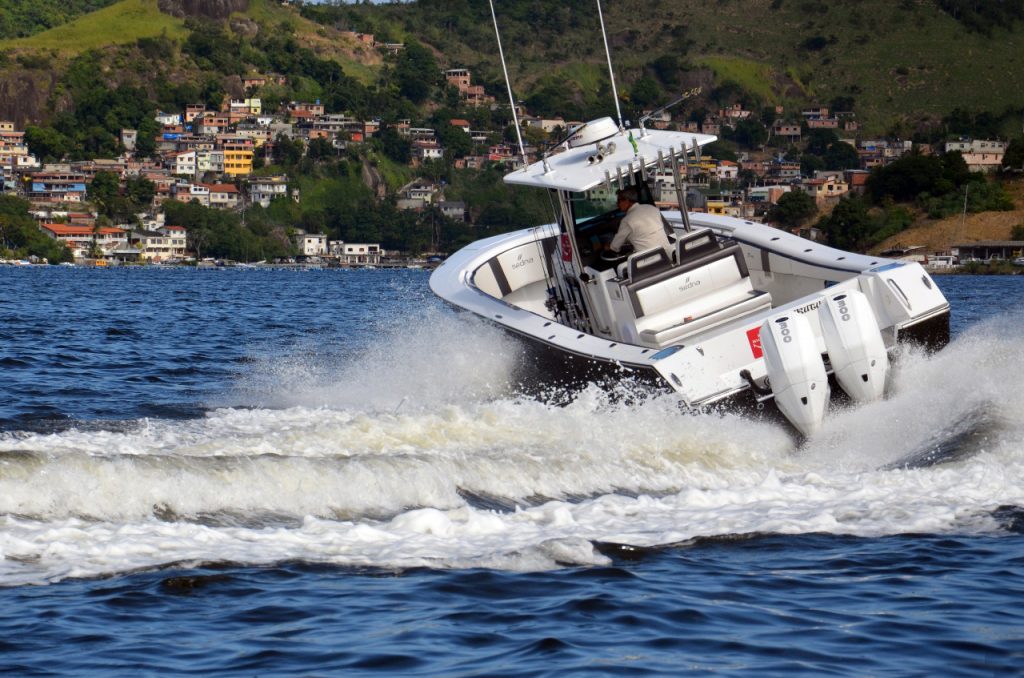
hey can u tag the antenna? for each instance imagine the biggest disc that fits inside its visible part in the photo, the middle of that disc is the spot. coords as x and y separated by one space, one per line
611 73
508 84
686 95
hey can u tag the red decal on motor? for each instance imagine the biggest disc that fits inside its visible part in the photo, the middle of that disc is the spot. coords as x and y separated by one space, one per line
754 337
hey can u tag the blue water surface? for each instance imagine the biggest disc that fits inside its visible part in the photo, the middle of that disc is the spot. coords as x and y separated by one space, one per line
93 348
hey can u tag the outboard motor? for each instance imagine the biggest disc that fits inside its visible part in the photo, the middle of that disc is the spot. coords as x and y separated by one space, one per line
796 372
854 345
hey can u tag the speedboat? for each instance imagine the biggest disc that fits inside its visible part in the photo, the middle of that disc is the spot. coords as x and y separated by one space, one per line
732 311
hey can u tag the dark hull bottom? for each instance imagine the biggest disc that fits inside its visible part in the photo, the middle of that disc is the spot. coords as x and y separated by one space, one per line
553 375
932 333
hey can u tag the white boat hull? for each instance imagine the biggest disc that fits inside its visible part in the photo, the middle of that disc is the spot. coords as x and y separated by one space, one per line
508 280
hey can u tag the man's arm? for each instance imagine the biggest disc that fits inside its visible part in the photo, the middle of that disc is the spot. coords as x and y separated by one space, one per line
621 235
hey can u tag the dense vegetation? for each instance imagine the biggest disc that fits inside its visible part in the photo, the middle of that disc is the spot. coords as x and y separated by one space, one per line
984 16
938 186
776 52
20 237
19 18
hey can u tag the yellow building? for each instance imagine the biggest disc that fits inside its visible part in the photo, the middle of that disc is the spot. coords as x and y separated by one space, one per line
238 159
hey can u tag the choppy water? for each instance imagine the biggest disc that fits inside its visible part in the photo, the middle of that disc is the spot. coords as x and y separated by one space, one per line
261 472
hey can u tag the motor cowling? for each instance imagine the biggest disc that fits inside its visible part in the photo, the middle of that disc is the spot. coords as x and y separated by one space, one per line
854 344
796 372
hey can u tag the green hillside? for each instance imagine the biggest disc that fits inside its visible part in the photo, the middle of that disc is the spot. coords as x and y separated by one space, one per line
120 23
897 61
900 66
22 18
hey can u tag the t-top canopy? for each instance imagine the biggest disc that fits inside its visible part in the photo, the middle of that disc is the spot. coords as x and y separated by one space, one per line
584 167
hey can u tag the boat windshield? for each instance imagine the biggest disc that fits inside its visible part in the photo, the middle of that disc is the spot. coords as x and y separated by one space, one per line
592 203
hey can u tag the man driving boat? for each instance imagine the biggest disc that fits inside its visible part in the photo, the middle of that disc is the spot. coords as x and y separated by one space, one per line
642 226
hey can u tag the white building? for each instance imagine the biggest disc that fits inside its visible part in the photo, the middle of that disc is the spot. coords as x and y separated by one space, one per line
223 196
177 237
310 244
262 190
185 163
356 254
168 119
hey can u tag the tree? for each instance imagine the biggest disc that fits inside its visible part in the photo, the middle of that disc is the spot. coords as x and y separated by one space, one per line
103 191
792 209
1013 159
906 178
849 226
46 143
20 237
749 133
819 141
416 72
666 68
320 149
841 155
395 146
287 152
645 92
455 141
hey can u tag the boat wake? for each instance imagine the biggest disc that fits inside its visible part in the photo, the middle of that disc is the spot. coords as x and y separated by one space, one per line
416 451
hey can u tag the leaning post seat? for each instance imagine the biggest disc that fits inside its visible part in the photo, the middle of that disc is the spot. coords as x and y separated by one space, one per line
709 286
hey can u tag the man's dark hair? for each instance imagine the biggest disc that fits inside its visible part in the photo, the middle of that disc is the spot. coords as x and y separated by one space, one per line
629 193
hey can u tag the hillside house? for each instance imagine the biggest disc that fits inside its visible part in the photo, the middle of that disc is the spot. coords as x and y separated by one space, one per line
244 107
825 190
823 123
168 119
784 171
176 238
129 138
184 163
453 209
238 157
310 244
193 111
857 181
416 195
56 186
727 170
223 196
211 124
427 150
710 127
981 155
80 239
151 246
262 190
305 109
734 113
547 124
461 79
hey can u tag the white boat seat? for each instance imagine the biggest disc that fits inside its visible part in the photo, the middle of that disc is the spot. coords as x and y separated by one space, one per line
705 291
707 312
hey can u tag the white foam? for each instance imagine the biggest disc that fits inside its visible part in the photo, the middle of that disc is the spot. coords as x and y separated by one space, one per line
336 480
